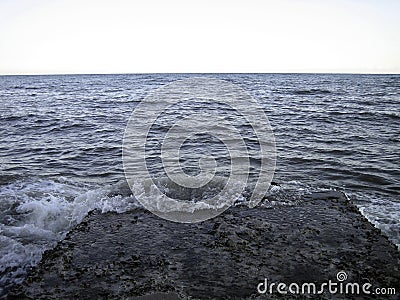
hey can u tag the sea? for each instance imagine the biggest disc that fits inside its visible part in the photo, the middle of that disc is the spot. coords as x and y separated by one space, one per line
61 140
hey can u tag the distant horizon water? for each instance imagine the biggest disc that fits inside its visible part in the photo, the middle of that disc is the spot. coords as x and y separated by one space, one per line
202 73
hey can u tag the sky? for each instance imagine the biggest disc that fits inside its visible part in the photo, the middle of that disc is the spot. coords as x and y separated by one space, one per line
155 36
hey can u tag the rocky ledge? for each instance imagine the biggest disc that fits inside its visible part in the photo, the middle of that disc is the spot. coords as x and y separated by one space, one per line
138 255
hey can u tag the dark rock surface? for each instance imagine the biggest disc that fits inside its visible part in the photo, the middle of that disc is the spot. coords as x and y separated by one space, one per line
137 254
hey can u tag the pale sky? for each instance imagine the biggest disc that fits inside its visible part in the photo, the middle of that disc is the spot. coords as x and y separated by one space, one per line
129 36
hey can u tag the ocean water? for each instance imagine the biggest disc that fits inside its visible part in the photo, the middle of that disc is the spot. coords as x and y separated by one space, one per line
61 149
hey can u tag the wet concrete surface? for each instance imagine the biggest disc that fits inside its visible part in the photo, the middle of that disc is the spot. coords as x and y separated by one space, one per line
137 255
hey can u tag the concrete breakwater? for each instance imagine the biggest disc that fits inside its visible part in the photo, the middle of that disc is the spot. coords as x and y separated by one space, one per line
136 254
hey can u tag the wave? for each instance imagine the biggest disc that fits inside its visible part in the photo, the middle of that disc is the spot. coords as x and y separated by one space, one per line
382 213
311 92
36 213
369 113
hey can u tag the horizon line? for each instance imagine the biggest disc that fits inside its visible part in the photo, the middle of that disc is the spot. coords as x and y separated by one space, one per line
142 73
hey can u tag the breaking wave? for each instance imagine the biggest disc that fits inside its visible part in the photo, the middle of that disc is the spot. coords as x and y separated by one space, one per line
36 213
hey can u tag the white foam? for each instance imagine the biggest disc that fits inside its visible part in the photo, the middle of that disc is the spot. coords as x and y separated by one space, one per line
211 197
35 214
288 193
381 212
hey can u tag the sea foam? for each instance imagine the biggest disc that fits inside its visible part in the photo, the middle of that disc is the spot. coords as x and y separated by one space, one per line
36 213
